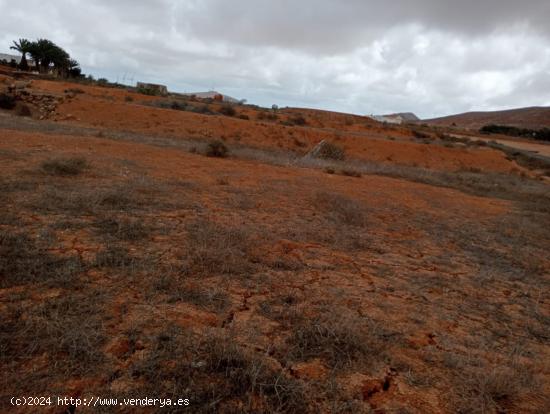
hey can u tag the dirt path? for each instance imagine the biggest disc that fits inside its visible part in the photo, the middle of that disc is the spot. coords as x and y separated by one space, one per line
537 148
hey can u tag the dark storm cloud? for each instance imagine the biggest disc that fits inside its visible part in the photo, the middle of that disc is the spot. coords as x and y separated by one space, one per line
429 56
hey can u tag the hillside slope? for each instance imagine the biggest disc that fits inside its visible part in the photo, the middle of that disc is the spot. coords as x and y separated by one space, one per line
533 117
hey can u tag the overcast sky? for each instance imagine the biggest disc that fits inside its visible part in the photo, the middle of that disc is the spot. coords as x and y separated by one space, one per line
431 57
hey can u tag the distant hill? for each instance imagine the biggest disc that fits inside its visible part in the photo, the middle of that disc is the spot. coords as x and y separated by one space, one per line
533 117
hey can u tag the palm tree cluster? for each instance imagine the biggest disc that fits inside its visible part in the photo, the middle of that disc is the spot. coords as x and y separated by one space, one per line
48 57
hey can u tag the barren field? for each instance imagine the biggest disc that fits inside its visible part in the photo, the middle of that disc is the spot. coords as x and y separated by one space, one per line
403 272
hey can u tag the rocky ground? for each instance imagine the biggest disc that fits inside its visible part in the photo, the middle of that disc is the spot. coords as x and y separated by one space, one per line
407 274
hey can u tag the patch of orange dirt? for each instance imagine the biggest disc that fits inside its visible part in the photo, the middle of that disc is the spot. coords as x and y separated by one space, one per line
361 137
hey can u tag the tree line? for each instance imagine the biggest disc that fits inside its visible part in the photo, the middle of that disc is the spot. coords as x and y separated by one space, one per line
47 56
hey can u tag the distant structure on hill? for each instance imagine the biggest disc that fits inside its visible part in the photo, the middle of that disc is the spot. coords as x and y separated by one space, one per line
213 95
153 87
397 119
8 58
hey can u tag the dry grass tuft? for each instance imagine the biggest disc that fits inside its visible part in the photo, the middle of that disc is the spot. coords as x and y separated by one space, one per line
217 149
65 166
215 249
340 338
219 374
66 330
122 229
22 261
342 209
487 389
210 298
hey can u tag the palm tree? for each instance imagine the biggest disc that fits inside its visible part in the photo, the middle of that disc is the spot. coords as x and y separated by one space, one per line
49 57
42 51
24 46
73 68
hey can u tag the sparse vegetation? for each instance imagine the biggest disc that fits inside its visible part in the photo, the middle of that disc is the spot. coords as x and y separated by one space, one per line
215 249
228 110
122 229
266 116
220 374
420 134
75 91
330 151
342 209
298 120
539 134
217 149
212 299
23 260
351 173
142 90
341 339
65 166
260 284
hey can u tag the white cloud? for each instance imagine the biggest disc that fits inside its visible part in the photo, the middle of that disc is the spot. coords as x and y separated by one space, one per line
432 57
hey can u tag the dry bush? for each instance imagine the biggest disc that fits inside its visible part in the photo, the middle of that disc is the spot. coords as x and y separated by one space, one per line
84 200
219 375
262 116
67 330
351 173
329 151
210 298
485 389
298 120
215 249
342 209
122 229
74 91
65 166
339 337
217 149
22 261
98 199
115 256
284 309
420 134
228 110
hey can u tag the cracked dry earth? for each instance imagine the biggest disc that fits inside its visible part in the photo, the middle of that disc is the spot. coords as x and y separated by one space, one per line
251 287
